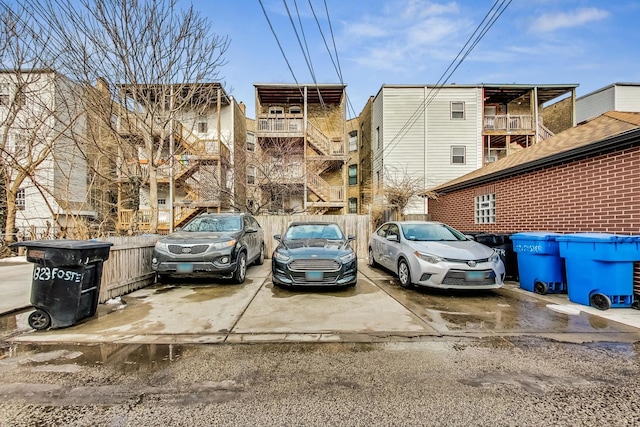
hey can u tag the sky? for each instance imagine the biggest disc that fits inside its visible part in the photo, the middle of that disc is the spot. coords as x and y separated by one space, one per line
367 43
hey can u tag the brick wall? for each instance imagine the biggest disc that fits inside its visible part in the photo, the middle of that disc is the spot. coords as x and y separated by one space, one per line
600 194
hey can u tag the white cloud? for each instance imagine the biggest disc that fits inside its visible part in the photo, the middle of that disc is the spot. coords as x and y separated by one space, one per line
553 21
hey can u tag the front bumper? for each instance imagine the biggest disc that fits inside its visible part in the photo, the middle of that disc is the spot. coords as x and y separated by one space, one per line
214 264
450 275
283 275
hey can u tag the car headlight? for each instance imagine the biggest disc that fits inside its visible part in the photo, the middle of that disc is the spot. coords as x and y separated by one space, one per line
348 257
222 245
162 246
280 256
494 257
433 259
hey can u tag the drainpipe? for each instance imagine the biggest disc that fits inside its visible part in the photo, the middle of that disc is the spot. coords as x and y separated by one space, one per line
304 126
171 184
535 109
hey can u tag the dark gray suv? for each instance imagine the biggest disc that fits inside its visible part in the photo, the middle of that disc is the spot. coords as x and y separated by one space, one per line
211 245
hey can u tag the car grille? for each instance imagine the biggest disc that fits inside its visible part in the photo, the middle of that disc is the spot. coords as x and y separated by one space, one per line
192 250
464 261
454 277
314 265
330 277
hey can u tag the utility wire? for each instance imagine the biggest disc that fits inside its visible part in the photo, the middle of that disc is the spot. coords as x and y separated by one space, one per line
492 16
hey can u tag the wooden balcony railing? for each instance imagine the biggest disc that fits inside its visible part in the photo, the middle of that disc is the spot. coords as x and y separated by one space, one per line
507 122
280 125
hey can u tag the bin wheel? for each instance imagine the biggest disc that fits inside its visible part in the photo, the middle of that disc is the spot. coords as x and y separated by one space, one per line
540 288
39 320
600 301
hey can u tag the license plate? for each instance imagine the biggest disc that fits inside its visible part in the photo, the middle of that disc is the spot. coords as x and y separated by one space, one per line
314 275
184 268
475 275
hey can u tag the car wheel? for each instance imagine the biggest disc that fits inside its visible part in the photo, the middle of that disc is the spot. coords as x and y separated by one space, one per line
372 260
260 259
241 270
404 274
39 320
600 301
162 278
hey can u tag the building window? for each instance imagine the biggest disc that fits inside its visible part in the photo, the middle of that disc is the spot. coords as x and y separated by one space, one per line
276 110
20 200
5 94
203 126
251 142
353 140
295 109
458 155
353 174
485 209
378 138
457 110
251 175
162 202
353 205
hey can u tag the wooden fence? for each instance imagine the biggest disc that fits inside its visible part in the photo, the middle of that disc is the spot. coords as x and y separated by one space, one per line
128 267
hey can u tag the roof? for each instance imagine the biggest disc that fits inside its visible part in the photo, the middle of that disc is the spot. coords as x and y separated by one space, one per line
287 94
608 87
496 93
199 93
603 131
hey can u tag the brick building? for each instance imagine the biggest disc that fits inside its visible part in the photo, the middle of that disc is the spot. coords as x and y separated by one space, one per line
586 178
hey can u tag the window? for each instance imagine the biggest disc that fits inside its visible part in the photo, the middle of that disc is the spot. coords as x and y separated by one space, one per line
485 209
353 174
251 142
203 126
353 205
378 137
457 110
5 94
276 110
20 200
362 137
162 202
353 140
458 154
251 175
295 109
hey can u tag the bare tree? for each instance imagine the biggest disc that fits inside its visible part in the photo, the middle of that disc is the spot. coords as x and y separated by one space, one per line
401 187
153 58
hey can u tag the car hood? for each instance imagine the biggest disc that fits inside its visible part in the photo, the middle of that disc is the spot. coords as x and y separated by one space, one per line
190 237
460 249
318 247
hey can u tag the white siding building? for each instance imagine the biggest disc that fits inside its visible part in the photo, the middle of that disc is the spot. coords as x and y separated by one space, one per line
615 97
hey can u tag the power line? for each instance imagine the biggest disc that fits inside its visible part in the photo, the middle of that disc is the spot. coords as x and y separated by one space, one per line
492 15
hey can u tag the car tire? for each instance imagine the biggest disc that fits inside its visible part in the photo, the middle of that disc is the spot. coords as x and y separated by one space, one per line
162 278
372 261
404 274
39 320
260 259
241 270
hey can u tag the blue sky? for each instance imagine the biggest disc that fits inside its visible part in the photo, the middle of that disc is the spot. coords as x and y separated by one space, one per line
592 43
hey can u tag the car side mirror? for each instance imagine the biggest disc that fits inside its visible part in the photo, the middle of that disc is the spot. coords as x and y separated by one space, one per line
277 237
351 237
250 230
393 238
469 236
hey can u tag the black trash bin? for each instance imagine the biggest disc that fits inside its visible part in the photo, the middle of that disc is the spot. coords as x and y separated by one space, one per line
66 280
503 244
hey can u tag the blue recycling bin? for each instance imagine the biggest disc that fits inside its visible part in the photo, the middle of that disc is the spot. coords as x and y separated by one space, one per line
600 268
540 267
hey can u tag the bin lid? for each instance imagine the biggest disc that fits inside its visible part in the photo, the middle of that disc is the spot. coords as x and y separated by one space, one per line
64 244
598 238
536 235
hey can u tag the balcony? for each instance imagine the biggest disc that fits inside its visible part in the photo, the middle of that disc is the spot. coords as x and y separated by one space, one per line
281 126
507 123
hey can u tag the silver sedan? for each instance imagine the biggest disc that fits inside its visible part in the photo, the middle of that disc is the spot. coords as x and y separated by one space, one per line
432 254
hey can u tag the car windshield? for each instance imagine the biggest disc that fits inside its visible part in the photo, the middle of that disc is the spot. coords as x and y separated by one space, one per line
214 223
431 232
314 231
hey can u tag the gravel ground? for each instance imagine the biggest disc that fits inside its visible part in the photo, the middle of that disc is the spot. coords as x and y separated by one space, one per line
488 382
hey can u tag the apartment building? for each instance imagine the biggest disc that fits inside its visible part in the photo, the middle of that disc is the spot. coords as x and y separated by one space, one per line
439 133
198 136
301 144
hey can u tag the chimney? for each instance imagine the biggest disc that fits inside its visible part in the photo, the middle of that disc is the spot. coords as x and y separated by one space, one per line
243 108
102 85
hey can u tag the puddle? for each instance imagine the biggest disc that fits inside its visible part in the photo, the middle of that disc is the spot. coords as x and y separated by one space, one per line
339 292
68 358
